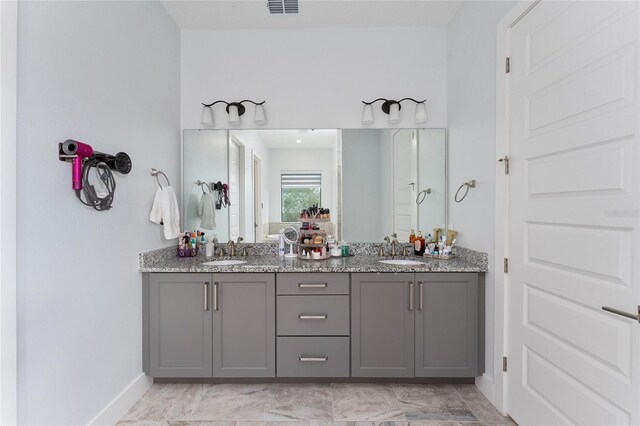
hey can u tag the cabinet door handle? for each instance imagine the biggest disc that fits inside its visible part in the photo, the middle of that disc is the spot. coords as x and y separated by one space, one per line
206 296
312 285
303 358
420 295
312 316
215 296
411 295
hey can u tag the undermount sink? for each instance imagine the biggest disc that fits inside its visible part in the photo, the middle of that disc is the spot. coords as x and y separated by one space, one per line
224 262
401 262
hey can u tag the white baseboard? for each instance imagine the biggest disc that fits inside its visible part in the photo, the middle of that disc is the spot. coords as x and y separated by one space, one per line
118 407
485 384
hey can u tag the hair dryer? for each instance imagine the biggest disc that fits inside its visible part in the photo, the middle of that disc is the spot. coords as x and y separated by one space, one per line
82 150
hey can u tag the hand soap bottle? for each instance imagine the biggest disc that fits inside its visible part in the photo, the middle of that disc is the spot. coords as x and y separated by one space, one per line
419 244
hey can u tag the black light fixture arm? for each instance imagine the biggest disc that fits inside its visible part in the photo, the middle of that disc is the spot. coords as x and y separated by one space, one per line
388 102
411 99
241 108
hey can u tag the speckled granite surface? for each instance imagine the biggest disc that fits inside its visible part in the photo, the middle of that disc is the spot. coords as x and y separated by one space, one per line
263 258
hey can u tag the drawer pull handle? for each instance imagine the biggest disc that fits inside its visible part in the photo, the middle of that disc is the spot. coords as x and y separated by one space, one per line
303 358
313 316
312 285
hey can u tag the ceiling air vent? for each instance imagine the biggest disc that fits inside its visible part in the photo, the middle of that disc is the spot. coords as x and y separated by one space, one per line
280 7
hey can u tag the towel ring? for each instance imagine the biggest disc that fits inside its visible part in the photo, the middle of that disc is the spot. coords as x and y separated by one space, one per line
155 173
422 193
202 184
470 184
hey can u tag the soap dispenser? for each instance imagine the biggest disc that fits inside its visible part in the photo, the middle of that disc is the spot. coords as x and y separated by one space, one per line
419 245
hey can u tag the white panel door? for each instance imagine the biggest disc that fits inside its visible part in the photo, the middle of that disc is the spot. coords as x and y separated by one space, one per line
574 192
405 180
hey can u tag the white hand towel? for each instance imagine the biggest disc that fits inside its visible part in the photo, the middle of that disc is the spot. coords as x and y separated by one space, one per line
156 212
170 213
206 212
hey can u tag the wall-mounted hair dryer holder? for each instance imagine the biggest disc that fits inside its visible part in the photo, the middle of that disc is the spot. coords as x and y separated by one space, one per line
76 152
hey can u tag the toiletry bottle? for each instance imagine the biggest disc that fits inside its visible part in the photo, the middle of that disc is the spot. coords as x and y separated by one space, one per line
281 244
419 244
436 235
412 237
451 235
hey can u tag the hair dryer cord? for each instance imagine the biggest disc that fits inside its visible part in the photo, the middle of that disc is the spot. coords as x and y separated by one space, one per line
91 196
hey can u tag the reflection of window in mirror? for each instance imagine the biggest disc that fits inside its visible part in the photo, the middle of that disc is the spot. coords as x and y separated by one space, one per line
299 190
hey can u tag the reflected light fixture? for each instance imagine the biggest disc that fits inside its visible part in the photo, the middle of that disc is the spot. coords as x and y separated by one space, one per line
235 111
392 108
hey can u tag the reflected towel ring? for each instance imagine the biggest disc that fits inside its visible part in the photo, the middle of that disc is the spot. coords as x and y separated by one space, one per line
155 173
470 184
424 193
202 184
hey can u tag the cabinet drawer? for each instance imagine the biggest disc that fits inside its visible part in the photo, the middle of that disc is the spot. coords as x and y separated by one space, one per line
313 357
313 283
313 315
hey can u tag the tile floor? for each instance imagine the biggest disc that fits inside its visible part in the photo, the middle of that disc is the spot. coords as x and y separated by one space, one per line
308 404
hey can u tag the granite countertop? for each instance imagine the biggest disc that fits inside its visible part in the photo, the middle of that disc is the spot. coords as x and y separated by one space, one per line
165 260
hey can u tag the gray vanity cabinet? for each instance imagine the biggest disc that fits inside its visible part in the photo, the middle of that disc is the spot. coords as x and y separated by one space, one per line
446 315
244 332
180 327
382 325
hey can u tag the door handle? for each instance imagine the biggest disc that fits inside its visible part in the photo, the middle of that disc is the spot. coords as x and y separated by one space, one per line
623 313
206 296
215 296
411 295
303 358
312 316
420 295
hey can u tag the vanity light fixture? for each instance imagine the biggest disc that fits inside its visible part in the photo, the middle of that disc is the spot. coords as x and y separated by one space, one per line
235 111
392 108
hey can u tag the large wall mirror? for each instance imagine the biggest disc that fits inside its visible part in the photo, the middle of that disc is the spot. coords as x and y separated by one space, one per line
374 182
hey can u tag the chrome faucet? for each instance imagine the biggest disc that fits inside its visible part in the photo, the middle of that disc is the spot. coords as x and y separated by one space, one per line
231 246
394 245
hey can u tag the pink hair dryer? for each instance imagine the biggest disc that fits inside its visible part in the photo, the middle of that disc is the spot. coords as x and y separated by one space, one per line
77 152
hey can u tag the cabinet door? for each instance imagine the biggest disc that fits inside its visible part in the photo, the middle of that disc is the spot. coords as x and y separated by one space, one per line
244 325
447 325
382 308
180 327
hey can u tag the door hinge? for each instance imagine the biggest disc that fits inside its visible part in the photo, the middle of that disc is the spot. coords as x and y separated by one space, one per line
505 160
507 65
506 265
504 363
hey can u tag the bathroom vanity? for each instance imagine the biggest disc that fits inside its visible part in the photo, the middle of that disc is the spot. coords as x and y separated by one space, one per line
288 318
351 318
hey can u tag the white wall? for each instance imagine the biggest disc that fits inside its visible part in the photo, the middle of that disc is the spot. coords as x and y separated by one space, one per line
206 158
314 78
471 59
299 160
106 73
362 186
431 174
